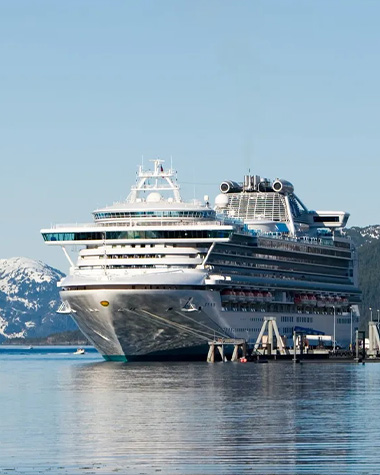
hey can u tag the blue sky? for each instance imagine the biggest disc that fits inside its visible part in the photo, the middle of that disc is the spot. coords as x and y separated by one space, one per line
286 88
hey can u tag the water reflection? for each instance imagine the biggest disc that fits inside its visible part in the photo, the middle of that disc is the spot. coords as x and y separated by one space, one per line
198 418
273 418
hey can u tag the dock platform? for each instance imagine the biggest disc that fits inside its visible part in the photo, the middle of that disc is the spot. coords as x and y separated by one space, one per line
239 345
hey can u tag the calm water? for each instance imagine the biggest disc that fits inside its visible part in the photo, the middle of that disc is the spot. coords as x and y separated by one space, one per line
68 414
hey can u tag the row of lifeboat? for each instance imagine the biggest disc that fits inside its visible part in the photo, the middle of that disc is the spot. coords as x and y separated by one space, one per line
321 300
257 296
229 295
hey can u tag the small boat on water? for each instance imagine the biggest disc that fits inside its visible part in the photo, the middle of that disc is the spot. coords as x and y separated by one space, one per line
80 351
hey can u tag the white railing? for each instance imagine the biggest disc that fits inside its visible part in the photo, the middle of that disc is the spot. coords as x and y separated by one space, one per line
130 223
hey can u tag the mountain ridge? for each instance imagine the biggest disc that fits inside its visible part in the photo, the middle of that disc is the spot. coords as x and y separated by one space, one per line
29 298
367 242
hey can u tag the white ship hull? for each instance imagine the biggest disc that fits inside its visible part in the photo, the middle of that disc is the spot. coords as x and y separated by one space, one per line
138 323
156 324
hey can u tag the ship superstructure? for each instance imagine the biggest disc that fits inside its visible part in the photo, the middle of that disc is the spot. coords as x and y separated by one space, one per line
158 277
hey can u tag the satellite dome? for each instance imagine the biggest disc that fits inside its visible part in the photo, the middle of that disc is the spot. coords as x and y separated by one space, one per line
153 197
221 201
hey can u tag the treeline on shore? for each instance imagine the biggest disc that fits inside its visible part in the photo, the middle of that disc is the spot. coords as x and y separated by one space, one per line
368 254
75 337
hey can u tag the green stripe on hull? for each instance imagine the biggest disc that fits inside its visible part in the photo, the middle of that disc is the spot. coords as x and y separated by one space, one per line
115 358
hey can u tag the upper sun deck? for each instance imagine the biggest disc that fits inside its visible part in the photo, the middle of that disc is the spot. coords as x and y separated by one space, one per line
153 210
155 198
157 211
272 206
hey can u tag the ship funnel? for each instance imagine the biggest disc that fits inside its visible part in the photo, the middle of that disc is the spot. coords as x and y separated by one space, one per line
251 183
282 186
231 187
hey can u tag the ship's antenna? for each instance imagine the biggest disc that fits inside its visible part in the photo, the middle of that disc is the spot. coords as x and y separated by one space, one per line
142 161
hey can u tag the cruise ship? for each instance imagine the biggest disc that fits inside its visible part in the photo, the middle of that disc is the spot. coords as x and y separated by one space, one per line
157 277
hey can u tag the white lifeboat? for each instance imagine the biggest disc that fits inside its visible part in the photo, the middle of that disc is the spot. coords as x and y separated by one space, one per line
249 295
259 297
241 295
312 300
268 297
321 301
228 295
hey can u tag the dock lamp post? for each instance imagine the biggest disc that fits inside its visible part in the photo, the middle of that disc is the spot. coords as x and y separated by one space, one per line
351 330
334 330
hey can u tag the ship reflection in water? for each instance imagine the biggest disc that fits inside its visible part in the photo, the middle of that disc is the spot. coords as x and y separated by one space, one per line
191 418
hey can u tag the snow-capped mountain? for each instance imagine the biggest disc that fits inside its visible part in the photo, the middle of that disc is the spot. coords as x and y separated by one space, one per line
29 299
364 235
